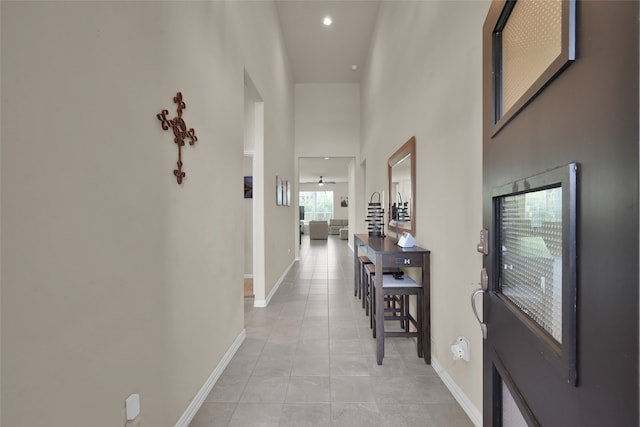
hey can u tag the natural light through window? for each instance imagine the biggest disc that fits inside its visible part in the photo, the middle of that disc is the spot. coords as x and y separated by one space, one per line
318 205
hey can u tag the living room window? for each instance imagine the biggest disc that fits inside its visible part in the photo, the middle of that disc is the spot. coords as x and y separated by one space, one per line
318 205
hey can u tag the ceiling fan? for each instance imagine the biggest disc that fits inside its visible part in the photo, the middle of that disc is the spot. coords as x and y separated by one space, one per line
322 182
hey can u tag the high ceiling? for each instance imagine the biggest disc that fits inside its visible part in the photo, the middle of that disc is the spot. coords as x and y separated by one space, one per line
334 169
326 54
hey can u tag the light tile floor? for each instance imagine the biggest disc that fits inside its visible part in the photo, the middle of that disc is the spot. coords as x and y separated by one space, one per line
309 360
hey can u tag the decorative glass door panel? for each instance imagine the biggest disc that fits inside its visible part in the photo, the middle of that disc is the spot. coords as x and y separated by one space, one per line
535 263
531 256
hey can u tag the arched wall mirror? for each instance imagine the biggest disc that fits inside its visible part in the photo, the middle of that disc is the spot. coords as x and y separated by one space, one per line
402 188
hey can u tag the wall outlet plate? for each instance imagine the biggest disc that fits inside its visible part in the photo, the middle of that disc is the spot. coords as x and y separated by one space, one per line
132 405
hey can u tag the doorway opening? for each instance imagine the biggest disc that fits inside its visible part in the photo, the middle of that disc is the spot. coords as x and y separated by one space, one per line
254 268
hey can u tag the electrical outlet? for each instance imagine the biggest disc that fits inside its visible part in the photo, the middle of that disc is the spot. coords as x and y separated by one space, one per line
460 349
132 406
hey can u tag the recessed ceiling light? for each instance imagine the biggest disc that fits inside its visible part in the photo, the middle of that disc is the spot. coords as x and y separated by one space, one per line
327 21
326 158
354 67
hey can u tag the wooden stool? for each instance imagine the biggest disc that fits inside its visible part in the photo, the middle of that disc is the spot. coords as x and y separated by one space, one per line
369 274
402 289
367 292
357 287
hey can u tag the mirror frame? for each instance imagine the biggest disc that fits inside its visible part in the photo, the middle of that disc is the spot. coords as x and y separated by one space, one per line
408 148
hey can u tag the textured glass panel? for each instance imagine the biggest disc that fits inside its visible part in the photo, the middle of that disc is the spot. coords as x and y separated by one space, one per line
511 416
531 241
531 41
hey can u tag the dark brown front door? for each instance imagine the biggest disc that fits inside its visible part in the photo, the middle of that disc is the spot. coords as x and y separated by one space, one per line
560 185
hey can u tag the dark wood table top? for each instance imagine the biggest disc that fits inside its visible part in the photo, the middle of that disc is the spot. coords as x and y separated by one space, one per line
386 244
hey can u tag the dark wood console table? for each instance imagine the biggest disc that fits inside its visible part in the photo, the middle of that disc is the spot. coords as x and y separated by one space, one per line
384 253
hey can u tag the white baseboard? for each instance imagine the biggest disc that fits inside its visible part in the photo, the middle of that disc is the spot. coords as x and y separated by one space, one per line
248 276
199 399
265 302
469 408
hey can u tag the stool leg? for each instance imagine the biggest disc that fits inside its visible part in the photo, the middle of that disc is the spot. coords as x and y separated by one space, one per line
370 281
356 284
359 284
405 312
366 291
419 326
365 286
373 309
362 278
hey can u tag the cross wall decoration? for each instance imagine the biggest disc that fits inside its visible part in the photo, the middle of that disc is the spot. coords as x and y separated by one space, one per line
180 132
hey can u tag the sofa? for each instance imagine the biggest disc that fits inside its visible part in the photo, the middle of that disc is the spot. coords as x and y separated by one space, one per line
318 230
336 224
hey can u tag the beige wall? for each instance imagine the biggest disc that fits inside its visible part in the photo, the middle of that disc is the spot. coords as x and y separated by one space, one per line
114 278
423 78
327 119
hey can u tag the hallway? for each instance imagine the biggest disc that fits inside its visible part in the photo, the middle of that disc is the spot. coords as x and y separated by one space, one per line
309 360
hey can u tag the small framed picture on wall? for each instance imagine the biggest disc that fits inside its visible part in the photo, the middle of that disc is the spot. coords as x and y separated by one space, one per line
279 192
248 187
287 193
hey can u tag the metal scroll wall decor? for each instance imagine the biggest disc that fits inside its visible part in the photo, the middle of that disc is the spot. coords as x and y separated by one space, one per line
180 132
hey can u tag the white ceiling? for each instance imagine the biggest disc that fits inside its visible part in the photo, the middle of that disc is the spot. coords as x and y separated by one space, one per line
334 169
320 54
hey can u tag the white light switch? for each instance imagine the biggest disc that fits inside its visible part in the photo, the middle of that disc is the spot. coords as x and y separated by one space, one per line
132 404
